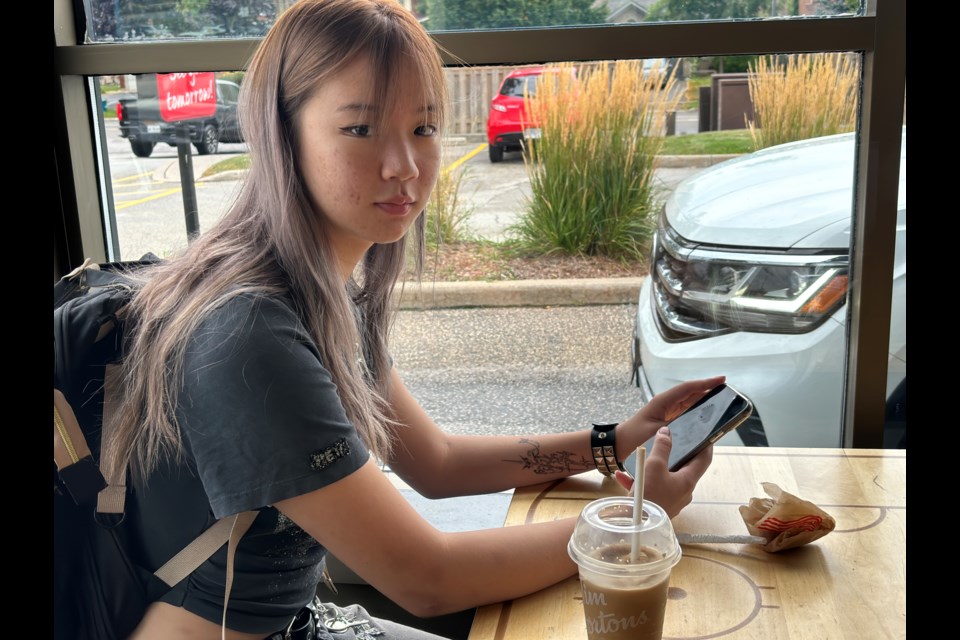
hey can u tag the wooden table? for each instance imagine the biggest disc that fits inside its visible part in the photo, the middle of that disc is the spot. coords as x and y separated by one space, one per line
851 583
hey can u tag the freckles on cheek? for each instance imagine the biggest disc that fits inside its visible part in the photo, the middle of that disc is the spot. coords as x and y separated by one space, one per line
347 180
330 175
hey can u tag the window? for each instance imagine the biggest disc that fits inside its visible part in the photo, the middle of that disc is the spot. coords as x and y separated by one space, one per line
128 38
520 86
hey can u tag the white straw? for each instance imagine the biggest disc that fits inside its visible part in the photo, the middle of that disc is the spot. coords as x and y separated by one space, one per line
638 500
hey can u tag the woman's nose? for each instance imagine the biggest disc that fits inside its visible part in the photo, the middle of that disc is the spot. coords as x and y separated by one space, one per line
400 161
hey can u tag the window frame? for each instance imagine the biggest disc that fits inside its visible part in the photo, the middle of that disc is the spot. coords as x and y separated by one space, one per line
82 225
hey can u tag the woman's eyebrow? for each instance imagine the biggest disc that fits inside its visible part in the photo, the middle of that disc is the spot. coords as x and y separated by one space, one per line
362 107
356 107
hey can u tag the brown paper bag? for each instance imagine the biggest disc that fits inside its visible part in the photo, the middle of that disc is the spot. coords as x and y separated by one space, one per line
785 520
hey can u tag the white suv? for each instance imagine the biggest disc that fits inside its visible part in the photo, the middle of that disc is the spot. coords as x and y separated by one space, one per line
748 278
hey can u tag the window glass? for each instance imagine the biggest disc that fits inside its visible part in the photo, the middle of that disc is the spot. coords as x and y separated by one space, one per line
446 15
519 86
153 208
229 93
750 265
133 20
759 282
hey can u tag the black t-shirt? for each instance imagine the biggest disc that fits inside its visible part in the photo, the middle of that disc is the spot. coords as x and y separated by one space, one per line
261 421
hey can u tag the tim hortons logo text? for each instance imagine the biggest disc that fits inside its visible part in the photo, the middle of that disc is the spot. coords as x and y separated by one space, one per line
609 622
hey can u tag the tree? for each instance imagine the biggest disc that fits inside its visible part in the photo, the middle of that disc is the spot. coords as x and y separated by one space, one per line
670 10
235 16
833 7
111 19
493 14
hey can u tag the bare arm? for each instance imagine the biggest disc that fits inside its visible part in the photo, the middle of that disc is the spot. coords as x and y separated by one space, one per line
438 464
428 572
371 527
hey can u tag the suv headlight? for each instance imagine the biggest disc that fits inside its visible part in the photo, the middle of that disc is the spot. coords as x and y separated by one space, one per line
701 290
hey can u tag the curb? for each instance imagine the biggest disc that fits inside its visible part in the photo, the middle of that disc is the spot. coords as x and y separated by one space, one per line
685 162
413 296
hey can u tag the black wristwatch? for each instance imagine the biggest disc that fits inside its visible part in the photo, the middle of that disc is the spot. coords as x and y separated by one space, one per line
603 445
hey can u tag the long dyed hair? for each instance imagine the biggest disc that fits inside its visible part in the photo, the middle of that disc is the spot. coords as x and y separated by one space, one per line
272 241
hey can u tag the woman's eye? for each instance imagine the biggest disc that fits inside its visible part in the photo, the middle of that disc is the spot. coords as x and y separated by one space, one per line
359 130
426 130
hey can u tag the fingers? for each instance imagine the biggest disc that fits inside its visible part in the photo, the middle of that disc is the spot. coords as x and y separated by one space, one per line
624 479
672 490
698 465
680 397
662 444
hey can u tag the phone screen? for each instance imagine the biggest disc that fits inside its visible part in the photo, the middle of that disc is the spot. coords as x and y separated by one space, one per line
698 423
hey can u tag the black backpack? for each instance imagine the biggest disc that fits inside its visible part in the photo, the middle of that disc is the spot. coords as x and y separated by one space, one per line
100 590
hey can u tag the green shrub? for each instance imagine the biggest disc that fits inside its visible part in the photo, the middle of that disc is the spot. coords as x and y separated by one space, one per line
591 170
232 76
736 64
803 96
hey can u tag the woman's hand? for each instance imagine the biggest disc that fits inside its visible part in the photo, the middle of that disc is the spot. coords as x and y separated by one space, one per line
671 490
669 404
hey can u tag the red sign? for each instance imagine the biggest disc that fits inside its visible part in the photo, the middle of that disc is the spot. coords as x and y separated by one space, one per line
186 96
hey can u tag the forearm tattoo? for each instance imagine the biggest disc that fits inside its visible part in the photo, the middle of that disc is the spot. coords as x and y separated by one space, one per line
548 463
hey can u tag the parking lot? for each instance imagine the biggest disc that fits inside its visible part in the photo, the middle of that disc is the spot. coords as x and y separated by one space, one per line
149 203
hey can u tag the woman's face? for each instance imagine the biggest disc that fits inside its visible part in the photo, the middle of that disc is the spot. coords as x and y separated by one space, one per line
370 183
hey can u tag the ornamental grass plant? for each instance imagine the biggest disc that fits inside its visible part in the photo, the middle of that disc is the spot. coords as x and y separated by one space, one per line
803 96
447 211
591 168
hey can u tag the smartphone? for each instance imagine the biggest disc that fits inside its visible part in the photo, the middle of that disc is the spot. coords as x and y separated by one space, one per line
716 414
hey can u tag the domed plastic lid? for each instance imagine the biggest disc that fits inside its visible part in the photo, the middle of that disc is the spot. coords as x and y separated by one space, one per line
604 535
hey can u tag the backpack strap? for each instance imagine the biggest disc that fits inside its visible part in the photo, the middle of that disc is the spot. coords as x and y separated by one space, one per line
82 477
71 452
112 499
226 530
241 522
75 464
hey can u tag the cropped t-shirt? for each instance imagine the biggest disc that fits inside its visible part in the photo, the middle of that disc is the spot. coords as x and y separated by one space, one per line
261 421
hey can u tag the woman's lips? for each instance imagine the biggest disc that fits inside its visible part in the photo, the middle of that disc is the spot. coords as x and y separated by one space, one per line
396 207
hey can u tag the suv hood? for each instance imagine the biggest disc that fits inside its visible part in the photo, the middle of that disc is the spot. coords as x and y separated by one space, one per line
797 195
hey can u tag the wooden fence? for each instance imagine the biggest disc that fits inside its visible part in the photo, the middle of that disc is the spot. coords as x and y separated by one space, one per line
471 90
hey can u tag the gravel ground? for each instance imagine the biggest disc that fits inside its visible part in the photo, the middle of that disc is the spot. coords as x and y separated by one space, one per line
489 262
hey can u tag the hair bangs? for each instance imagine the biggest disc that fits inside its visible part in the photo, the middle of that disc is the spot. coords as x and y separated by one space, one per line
406 63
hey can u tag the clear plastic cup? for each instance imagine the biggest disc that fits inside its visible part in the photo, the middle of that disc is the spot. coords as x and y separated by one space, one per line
624 598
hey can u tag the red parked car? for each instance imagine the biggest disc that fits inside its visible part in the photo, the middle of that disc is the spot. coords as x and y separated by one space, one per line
507 124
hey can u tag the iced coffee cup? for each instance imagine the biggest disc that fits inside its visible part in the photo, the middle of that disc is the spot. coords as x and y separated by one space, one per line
624 568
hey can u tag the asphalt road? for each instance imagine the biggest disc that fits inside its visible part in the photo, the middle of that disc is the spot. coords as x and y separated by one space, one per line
518 370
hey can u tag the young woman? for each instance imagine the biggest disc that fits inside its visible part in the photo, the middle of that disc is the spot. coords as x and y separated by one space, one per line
258 375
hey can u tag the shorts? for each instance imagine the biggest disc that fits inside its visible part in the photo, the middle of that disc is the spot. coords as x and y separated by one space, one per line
327 621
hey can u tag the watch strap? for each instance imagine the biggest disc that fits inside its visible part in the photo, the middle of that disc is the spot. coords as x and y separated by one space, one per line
603 447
